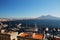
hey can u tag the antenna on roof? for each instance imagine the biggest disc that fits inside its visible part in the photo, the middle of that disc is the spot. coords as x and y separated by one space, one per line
36 29
35 25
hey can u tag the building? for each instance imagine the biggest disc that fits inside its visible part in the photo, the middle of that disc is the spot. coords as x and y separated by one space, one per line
11 35
4 37
56 37
23 36
1 26
28 36
38 36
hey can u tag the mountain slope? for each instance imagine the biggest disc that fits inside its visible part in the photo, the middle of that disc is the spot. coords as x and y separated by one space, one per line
49 17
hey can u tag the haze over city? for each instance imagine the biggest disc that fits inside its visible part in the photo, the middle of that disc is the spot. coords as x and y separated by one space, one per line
29 8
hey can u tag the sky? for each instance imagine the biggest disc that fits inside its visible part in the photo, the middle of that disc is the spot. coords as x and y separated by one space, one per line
29 8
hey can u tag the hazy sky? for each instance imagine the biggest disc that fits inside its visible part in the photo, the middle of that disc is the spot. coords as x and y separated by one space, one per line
29 8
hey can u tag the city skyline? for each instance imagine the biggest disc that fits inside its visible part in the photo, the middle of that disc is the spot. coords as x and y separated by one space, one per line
29 8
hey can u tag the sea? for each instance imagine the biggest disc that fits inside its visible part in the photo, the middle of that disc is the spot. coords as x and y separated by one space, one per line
31 23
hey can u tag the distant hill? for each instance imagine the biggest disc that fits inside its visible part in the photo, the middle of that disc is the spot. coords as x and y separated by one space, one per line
47 21
49 17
